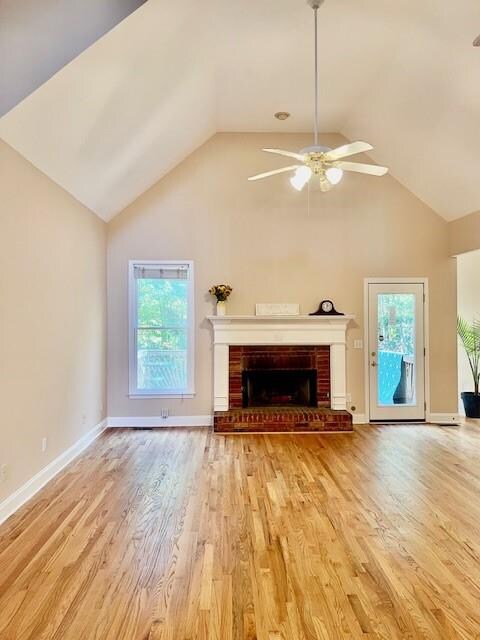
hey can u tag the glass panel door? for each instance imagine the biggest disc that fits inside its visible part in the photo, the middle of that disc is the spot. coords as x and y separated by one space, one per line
396 352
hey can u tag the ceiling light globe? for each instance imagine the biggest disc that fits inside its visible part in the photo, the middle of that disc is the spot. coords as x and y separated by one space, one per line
301 177
334 175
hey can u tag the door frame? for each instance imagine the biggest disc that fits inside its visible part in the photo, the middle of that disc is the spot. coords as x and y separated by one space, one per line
426 337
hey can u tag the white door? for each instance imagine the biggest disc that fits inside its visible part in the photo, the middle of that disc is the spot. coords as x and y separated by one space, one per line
396 351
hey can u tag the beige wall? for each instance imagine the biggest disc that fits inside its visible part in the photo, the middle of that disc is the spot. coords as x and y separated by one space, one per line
468 297
52 319
261 238
465 234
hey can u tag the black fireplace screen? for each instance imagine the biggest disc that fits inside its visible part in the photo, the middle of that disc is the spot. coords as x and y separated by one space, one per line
279 387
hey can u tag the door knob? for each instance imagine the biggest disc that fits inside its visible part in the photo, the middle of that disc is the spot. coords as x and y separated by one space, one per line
374 364
374 354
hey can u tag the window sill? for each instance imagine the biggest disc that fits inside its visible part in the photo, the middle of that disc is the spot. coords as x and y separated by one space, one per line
153 396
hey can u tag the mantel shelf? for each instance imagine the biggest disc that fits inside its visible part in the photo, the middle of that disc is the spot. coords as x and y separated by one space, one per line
295 319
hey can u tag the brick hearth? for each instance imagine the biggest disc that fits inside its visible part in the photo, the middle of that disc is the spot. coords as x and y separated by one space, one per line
282 419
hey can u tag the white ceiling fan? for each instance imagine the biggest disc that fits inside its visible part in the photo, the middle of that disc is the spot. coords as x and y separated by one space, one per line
317 161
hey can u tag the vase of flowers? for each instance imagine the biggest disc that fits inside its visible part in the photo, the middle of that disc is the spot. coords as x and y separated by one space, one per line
221 293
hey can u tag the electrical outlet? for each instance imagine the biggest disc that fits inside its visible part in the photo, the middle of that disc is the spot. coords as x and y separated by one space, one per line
44 444
3 473
164 414
84 419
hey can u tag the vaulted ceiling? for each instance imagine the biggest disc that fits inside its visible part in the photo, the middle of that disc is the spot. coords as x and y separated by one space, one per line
39 38
401 75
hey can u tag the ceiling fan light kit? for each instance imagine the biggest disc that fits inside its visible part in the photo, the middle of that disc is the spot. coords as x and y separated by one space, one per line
318 162
300 178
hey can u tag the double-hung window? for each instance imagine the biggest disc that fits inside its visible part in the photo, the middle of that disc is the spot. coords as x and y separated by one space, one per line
161 328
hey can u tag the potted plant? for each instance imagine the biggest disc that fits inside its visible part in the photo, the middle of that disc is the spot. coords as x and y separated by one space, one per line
469 335
221 293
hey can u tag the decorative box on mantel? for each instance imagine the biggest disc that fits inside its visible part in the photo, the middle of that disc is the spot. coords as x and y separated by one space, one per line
286 331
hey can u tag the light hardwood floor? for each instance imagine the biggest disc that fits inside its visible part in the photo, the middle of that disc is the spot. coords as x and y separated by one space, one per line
179 534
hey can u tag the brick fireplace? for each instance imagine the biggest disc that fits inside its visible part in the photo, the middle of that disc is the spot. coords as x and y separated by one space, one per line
277 373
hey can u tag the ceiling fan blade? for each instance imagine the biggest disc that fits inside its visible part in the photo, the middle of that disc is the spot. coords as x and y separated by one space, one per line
267 174
289 154
371 169
349 149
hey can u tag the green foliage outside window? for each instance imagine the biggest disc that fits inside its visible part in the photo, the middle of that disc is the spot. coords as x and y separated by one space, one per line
162 308
396 323
162 304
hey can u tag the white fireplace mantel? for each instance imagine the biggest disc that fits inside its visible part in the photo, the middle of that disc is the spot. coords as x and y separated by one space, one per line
280 330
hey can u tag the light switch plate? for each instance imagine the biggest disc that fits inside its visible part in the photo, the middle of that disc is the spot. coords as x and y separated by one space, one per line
358 344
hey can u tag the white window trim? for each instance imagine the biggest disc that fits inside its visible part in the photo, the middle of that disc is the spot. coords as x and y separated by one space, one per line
133 391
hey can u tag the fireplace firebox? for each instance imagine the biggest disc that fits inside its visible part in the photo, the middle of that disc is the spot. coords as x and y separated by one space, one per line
279 387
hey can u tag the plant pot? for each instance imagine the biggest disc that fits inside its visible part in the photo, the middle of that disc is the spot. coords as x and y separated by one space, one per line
221 308
471 402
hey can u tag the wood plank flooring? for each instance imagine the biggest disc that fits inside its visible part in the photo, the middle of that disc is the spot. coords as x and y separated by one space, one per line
179 534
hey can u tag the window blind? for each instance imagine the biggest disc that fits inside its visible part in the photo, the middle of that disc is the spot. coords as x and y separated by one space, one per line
165 272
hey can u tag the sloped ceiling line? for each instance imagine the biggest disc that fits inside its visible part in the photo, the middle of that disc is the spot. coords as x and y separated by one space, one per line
402 76
37 39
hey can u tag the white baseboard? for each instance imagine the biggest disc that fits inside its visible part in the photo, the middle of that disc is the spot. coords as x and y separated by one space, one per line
439 418
39 480
359 418
182 421
443 418
158 421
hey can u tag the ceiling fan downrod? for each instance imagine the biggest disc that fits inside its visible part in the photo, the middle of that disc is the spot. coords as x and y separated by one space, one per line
315 4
